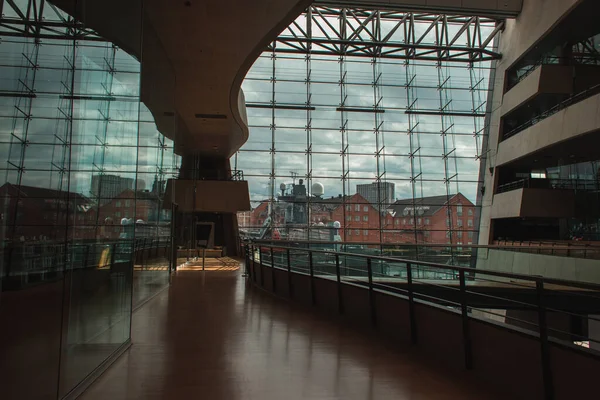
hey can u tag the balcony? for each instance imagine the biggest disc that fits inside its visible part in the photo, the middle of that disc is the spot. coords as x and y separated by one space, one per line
528 202
572 119
227 194
542 81
564 184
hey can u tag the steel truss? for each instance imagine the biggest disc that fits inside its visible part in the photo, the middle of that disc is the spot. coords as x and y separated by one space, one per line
390 34
585 52
319 30
42 20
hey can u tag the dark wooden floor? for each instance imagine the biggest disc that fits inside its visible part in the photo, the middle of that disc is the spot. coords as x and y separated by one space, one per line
210 336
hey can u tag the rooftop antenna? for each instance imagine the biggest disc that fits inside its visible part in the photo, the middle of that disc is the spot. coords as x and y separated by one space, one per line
294 176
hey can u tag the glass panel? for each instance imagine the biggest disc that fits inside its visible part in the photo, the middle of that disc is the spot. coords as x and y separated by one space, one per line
358 132
81 206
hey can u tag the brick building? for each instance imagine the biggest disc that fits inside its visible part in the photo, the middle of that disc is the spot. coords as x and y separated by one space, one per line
358 218
33 213
434 220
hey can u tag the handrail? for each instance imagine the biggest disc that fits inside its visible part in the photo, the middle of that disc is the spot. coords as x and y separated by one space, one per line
594 90
572 249
550 60
549 183
568 246
553 281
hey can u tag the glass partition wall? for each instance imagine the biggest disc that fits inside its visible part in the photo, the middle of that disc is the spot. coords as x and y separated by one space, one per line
83 171
368 127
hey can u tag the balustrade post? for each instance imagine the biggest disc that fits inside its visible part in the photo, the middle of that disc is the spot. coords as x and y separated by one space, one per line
411 305
371 292
465 321
544 344
273 285
246 250
262 267
289 271
312 278
252 253
339 284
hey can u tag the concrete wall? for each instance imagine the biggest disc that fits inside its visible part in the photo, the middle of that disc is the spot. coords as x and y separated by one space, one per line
543 203
210 196
535 20
507 205
578 269
520 34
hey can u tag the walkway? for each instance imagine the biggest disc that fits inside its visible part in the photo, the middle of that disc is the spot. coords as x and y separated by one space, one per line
212 337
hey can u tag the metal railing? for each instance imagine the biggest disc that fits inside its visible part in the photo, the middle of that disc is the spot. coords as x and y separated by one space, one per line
524 72
452 254
594 90
543 183
561 248
472 294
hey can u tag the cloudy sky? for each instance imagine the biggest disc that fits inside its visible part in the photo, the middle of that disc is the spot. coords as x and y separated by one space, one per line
105 133
290 138
409 150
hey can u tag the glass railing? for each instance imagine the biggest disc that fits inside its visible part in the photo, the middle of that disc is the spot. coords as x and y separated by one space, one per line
68 306
34 262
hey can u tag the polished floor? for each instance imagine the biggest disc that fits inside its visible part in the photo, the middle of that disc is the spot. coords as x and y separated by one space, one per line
212 336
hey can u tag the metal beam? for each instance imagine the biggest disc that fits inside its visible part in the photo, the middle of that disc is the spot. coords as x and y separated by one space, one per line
324 30
30 23
488 8
390 34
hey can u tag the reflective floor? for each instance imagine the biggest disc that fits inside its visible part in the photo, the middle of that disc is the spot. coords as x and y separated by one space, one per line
210 336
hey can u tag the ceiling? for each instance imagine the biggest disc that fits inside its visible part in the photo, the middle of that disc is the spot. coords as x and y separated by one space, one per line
194 56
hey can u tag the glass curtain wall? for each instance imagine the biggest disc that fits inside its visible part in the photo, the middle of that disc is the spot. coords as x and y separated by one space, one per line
409 124
83 172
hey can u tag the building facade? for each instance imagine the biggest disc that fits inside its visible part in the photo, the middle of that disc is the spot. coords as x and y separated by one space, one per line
541 177
106 187
380 194
430 220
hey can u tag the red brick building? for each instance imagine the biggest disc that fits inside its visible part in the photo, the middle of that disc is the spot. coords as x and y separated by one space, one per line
433 220
436 220
359 220
35 213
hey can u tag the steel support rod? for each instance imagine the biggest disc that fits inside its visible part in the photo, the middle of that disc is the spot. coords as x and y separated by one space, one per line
411 305
544 344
